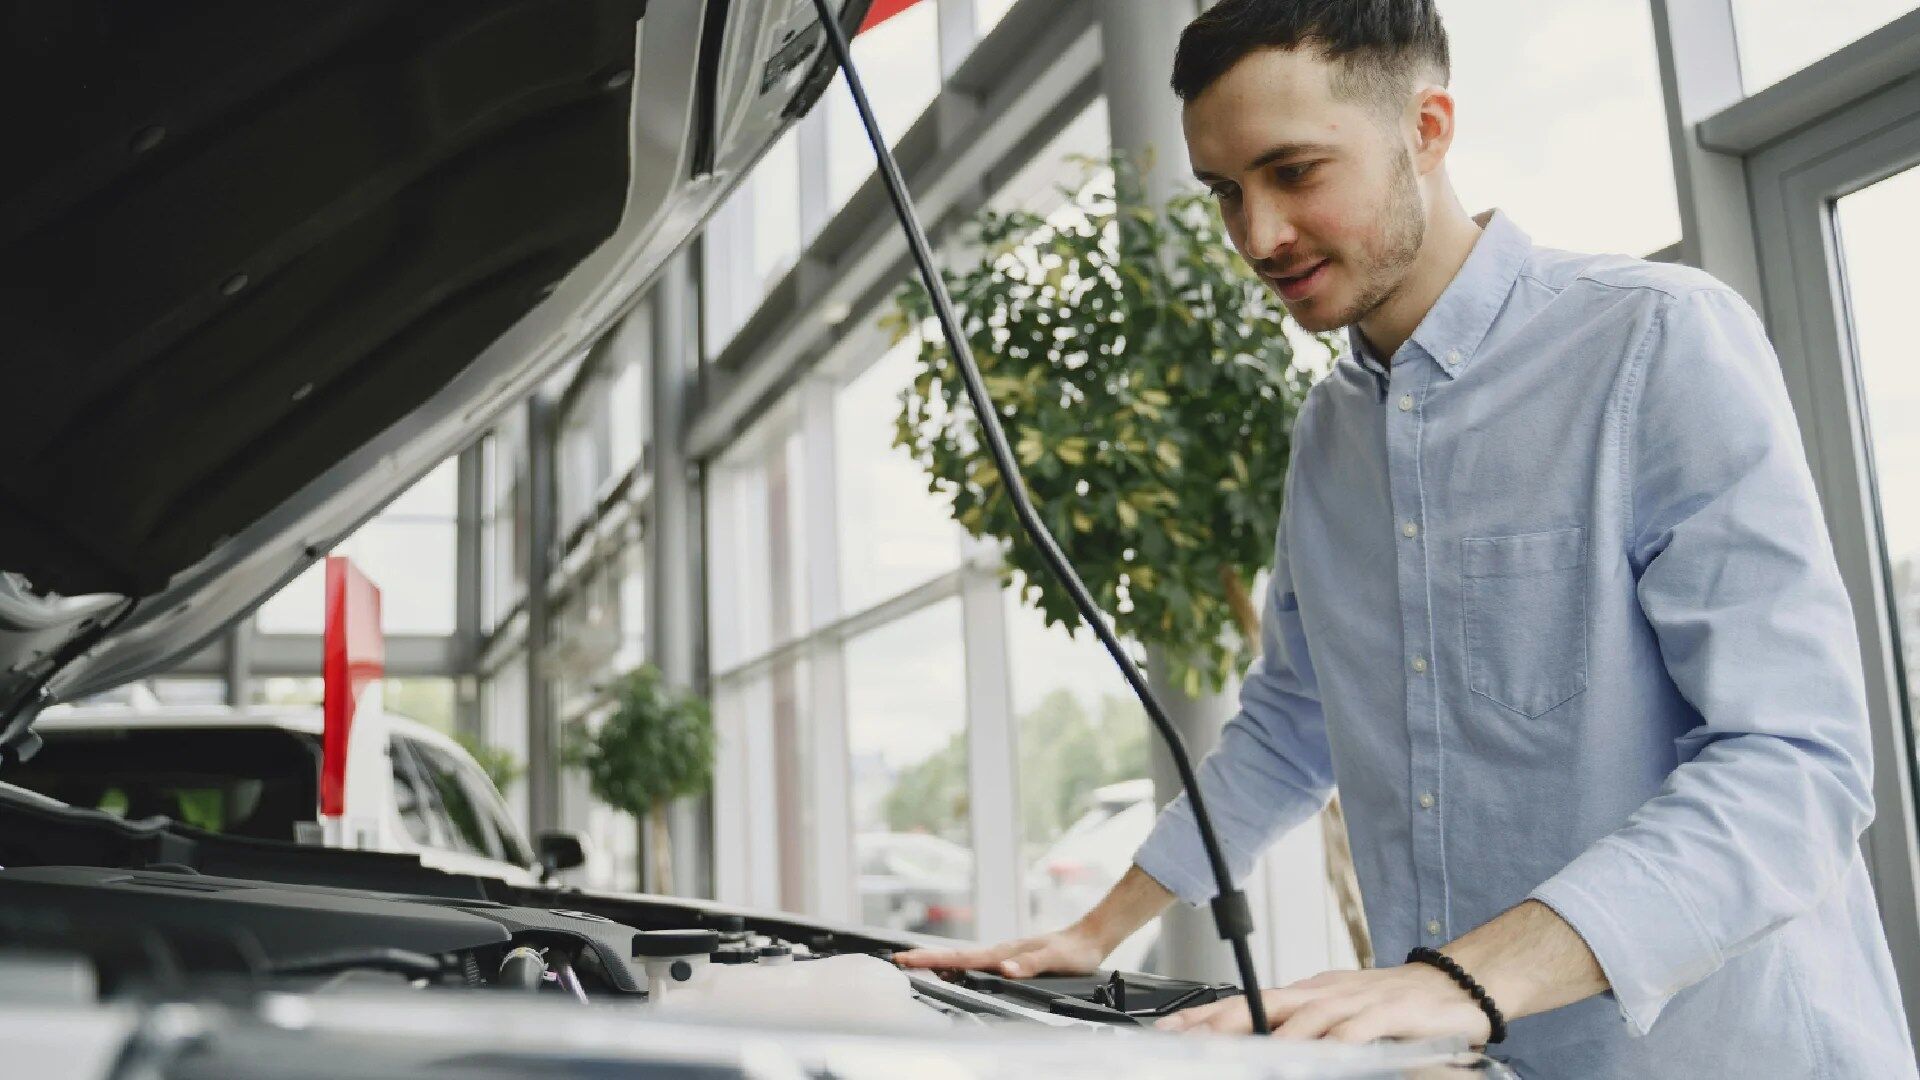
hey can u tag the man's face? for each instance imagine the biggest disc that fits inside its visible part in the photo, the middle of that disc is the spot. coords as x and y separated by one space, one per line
1308 184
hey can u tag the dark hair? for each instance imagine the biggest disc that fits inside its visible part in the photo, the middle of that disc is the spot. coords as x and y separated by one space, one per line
1376 46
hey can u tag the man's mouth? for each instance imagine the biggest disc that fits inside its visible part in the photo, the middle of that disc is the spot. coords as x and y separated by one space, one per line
1298 285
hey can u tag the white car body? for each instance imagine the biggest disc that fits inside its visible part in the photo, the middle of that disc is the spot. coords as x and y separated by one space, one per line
377 804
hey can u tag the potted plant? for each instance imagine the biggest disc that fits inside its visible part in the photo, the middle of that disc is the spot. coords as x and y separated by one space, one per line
1148 383
653 745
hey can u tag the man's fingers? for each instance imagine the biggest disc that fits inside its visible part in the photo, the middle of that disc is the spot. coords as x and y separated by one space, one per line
1228 1016
1363 1027
985 957
1188 1019
1317 1017
1030 962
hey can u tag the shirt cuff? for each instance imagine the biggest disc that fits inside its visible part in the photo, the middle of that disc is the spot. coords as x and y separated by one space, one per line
1168 855
1645 934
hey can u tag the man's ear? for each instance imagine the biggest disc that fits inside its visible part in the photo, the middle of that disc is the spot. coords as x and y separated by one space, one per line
1430 124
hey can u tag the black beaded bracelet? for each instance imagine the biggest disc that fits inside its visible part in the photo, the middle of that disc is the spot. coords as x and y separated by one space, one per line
1496 1024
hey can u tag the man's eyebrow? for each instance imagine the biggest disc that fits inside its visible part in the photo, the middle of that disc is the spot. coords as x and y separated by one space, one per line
1272 154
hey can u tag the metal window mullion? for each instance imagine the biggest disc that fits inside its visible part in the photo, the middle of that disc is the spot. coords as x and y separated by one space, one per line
993 783
469 509
957 33
829 802
895 607
1699 57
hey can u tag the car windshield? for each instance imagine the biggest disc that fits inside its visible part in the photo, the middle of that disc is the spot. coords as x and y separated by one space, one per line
253 782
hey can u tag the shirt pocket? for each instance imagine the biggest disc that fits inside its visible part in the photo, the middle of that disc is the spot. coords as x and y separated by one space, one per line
1525 610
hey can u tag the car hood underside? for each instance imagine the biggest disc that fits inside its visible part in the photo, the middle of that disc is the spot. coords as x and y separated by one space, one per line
237 240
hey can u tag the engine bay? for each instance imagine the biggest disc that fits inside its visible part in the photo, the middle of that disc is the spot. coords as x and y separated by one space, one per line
165 910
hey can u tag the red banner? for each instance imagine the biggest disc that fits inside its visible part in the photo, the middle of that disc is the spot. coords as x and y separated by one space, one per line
354 655
881 11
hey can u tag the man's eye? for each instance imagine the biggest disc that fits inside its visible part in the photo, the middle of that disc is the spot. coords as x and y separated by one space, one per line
1222 192
1293 173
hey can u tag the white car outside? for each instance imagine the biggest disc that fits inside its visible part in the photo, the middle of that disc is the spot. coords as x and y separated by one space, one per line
409 788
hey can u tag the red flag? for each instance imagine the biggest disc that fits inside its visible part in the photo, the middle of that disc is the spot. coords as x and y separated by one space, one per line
354 655
881 11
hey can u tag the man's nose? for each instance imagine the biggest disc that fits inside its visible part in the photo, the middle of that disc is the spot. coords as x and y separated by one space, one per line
1268 231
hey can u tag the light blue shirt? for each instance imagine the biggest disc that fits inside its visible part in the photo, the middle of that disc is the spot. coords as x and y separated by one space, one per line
1553 603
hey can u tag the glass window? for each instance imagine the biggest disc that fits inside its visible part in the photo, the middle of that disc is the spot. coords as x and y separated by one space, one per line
633 608
1537 84
750 241
899 63
427 700
182 690
410 799
907 743
775 201
435 495
504 520
470 829
757 545
630 422
583 455
894 533
503 721
1086 802
1878 232
988 13
254 782
407 551
1778 39
1035 187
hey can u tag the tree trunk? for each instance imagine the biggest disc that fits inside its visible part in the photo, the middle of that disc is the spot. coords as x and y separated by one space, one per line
659 851
1333 822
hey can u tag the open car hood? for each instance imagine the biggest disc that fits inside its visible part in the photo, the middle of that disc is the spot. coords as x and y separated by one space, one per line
261 267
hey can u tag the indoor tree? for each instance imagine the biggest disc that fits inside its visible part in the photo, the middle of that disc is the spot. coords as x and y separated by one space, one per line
1148 384
654 745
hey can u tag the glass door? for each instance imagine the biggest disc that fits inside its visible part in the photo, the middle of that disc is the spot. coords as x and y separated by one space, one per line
1836 214
1877 230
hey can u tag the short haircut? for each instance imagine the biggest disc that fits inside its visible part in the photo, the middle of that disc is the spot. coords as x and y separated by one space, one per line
1377 47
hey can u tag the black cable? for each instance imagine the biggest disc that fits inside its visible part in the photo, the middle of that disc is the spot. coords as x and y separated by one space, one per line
1230 912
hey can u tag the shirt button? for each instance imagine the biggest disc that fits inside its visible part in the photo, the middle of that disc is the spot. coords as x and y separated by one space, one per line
1420 664
1426 800
1406 403
1453 357
1409 530
1433 927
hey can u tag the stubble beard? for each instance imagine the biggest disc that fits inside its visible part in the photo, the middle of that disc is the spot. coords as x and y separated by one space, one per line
1386 267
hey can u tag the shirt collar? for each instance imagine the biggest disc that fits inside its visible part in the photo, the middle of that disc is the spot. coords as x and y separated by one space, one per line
1458 322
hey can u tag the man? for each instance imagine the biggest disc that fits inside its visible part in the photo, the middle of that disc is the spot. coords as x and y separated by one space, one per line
1551 600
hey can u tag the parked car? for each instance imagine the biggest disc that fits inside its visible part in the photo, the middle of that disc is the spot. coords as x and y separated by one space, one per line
255 772
915 882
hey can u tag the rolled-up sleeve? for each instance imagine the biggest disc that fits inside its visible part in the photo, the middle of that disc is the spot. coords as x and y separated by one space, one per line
1737 579
1272 768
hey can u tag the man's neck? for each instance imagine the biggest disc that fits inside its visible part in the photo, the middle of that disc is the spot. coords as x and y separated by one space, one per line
1450 240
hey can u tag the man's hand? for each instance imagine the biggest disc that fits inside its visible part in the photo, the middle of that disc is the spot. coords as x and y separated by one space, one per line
1072 951
1131 904
1528 960
1411 1001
